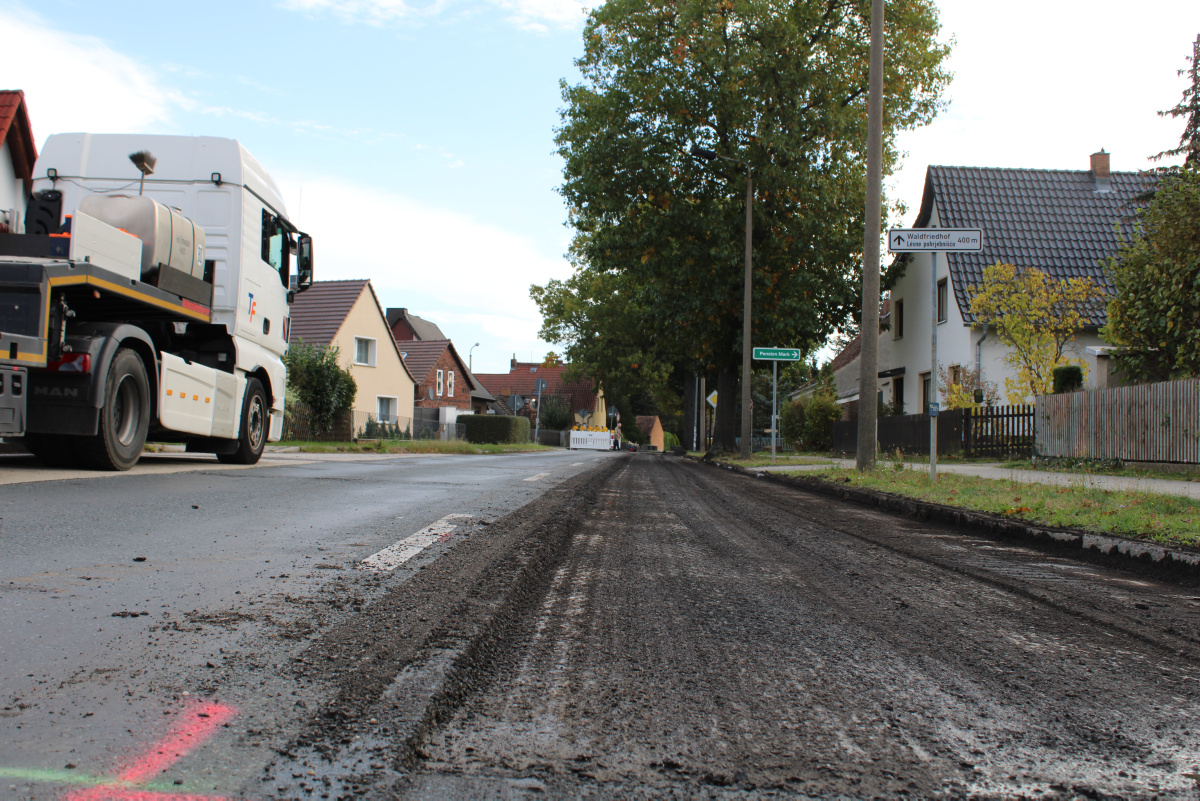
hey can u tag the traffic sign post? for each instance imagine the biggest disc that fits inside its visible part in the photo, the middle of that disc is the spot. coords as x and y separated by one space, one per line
934 241
775 356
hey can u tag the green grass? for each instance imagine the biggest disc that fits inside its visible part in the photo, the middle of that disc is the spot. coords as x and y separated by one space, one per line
763 458
1185 473
413 446
1165 519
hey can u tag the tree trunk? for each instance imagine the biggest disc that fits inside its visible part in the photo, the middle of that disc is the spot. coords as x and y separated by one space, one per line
728 417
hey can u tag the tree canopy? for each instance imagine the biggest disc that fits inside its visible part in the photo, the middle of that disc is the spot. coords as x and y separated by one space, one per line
1156 275
659 235
1037 317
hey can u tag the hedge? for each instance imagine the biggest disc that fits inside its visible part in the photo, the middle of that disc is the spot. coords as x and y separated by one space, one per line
494 428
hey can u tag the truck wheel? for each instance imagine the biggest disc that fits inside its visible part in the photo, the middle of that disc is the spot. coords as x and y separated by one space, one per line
124 418
52 450
252 436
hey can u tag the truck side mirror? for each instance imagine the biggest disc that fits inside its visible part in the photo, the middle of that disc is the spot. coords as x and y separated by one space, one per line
304 262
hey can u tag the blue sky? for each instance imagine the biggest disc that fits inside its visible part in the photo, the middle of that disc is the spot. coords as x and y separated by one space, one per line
415 140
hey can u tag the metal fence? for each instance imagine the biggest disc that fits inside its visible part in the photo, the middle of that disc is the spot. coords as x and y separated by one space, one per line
1148 423
299 425
991 431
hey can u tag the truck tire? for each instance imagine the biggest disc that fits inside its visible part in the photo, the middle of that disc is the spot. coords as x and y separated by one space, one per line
124 417
52 450
252 433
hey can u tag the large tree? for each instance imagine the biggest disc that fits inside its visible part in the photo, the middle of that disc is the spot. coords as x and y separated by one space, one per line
658 248
1156 274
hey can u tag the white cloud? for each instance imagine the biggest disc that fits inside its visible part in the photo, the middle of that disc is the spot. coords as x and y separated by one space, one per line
90 87
1044 85
472 277
531 15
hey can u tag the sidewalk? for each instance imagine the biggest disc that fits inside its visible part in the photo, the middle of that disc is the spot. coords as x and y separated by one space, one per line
1164 486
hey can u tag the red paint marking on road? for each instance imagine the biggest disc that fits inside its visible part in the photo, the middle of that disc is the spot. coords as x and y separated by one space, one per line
198 722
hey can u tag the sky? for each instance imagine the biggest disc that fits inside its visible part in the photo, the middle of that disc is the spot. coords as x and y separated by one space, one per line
415 140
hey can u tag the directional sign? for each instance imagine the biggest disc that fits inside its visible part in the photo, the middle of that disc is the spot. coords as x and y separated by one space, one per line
924 240
777 354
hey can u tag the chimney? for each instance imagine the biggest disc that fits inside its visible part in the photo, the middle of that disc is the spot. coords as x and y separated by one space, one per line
1100 172
512 365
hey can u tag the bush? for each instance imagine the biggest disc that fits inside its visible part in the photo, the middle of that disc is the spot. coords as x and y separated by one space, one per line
556 414
1067 378
316 379
791 423
670 441
495 429
820 413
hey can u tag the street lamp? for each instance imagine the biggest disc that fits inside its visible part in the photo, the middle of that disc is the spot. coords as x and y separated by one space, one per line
470 357
709 155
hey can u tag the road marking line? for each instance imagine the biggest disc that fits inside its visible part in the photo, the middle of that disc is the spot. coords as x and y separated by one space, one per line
393 556
576 464
140 780
537 477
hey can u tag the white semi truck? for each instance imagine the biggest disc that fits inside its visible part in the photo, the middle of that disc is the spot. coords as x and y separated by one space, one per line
145 294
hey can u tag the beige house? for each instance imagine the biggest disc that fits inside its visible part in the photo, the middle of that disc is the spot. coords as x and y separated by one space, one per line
347 314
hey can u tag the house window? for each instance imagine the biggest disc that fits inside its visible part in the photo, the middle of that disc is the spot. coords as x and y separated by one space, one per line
450 384
387 409
898 314
941 300
441 382
364 351
898 395
955 372
926 392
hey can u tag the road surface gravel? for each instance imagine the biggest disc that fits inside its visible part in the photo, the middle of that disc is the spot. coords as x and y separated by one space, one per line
708 633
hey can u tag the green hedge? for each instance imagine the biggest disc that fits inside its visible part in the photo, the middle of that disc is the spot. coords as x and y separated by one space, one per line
495 429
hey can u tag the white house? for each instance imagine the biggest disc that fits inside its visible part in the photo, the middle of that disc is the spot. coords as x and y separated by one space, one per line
1062 222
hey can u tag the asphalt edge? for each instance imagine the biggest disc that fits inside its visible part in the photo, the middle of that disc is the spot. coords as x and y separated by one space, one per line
1171 563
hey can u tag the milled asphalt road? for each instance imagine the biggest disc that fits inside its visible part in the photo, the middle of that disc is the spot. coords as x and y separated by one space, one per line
125 597
603 625
709 634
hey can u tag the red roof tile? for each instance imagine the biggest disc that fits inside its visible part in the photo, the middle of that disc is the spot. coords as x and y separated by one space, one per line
17 133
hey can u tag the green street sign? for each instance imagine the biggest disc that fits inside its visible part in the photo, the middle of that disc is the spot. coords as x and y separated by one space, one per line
777 354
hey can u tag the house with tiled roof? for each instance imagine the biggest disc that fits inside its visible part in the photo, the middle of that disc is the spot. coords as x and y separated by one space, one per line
520 382
407 326
1062 222
443 380
17 156
347 314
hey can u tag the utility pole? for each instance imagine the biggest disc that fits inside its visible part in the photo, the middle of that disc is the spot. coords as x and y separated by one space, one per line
868 380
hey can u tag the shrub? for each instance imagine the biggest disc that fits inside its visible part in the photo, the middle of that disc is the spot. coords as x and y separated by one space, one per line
496 429
820 413
556 414
791 423
1067 378
670 441
317 380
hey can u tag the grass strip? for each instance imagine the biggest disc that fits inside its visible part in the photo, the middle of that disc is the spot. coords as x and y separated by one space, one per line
1164 519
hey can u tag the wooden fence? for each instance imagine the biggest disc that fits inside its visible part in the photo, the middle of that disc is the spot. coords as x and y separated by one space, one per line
990 431
1148 423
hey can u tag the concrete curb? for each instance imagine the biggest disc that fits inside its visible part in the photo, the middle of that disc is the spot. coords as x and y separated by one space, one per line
1089 545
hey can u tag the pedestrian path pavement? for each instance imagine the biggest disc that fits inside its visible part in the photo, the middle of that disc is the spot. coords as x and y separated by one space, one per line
1165 486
